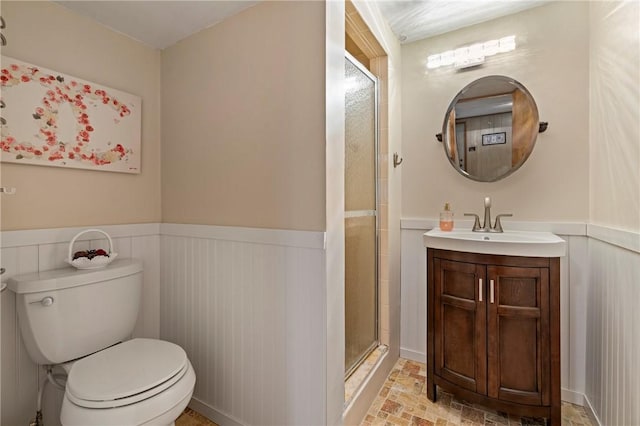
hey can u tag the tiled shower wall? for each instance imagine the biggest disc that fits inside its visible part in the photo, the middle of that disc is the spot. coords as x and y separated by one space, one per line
39 250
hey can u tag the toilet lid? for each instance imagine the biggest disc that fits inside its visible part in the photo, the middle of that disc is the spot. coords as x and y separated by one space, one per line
123 370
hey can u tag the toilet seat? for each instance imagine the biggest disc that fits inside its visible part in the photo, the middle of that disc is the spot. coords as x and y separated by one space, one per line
126 373
160 409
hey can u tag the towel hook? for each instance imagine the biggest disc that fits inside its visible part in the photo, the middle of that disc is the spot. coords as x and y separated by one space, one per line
4 285
397 160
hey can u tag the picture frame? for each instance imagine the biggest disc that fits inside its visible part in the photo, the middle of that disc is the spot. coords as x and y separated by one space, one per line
494 138
54 119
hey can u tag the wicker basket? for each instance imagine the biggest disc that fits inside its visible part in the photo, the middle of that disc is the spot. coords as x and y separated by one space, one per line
97 261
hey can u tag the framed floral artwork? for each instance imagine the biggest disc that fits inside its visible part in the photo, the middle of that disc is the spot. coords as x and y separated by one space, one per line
53 119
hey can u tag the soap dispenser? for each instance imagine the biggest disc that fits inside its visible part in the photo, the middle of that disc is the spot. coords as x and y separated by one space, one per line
446 218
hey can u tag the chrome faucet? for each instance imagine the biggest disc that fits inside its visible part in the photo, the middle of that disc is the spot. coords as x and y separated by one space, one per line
486 227
487 214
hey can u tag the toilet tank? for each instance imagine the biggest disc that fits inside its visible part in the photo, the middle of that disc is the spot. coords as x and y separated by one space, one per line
68 313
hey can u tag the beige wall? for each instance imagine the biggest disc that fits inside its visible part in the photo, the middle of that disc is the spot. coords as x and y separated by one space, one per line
615 115
243 121
551 60
46 34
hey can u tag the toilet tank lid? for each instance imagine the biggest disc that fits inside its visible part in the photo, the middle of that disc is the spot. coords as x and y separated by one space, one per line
57 279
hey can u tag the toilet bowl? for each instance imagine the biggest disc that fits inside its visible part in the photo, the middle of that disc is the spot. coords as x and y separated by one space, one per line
81 320
137 382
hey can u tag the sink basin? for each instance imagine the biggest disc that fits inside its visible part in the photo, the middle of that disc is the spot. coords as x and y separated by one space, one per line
510 243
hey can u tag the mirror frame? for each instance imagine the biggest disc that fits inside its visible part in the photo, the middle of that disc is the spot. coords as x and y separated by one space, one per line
536 127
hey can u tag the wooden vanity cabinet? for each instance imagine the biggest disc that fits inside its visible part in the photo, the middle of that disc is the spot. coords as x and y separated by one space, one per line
493 331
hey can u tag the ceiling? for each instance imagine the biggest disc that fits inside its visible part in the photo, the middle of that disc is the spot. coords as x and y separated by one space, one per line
161 24
413 20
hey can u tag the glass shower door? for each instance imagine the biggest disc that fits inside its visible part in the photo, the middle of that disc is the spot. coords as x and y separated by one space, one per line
361 284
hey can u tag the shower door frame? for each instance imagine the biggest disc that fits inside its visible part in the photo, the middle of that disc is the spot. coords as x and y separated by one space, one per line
364 213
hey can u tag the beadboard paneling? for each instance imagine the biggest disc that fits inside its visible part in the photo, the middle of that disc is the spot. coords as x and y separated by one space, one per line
613 338
250 315
38 250
413 296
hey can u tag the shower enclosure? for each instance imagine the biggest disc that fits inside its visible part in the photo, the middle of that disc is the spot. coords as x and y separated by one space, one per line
360 218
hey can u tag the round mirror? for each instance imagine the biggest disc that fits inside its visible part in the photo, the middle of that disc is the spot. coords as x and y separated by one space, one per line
490 128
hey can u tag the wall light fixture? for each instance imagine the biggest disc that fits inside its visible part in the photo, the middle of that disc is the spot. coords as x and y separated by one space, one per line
472 55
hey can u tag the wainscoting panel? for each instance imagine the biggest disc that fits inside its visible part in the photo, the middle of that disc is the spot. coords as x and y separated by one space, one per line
251 317
413 296
19 374
613 340
39 250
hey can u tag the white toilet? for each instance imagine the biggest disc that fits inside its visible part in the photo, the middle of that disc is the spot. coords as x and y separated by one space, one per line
81 320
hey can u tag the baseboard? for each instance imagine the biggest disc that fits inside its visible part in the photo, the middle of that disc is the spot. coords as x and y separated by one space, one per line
591 412
573 397
212 414
413 355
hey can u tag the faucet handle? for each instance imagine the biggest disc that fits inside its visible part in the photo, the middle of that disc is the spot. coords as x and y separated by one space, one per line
498 225
476 224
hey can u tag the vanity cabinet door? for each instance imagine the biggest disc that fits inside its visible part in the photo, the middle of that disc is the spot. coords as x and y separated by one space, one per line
460 324
518 334
493 331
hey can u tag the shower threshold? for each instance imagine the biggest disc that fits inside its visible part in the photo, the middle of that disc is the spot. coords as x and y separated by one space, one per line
358 375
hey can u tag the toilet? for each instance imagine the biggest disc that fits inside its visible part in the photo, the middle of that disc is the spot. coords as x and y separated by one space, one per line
81 321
